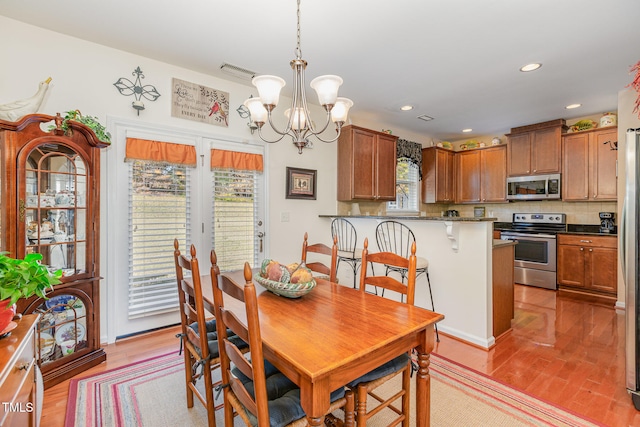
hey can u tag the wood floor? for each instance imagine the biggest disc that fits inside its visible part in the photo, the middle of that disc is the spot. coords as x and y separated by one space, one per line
562 350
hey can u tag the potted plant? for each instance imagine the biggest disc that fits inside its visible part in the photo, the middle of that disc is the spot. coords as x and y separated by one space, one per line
90 121
22 278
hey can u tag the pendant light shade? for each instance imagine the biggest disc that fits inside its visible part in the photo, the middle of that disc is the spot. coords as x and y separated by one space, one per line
299 124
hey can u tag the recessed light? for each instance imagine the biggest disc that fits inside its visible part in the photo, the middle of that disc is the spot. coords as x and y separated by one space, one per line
572 106
406 107
467 130
530 67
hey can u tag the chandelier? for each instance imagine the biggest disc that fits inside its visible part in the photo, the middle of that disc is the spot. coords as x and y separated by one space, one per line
299 125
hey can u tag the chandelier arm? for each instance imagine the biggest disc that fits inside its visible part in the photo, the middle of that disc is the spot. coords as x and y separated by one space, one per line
282 135
275 129
338 131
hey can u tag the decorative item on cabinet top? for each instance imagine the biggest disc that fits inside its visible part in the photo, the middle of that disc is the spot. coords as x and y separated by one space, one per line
18 109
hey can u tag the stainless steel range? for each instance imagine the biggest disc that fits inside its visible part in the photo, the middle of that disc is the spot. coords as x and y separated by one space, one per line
535 253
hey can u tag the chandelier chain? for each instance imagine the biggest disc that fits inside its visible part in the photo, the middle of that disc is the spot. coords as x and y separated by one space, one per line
298 50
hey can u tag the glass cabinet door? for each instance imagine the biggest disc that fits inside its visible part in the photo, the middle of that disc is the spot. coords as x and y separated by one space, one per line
55 207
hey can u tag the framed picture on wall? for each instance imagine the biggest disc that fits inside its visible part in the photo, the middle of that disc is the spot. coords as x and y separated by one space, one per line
301 183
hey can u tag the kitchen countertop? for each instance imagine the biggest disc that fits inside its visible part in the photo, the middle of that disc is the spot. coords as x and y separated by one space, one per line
415 217
500 243
589 229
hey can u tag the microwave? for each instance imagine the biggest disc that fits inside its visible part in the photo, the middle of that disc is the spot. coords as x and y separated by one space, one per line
533 187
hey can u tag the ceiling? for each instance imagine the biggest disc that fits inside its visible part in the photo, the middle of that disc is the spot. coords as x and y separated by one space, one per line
456 60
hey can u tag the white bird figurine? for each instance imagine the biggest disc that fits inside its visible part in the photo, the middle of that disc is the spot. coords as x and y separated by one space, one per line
17 109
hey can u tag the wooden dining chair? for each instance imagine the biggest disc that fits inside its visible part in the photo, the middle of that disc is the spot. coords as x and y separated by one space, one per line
401 365
199 335
254 389
329 272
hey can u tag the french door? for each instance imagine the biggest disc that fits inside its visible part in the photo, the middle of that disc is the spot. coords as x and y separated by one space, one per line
159 202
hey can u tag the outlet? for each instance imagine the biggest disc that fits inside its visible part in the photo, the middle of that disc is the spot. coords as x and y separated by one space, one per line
284 216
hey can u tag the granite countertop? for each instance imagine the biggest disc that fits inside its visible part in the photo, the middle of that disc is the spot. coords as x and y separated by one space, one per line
415 217
500 243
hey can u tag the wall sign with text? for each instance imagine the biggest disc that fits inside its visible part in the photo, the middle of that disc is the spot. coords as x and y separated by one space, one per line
199 103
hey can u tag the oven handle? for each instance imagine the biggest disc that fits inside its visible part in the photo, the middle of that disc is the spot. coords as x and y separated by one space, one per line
528 236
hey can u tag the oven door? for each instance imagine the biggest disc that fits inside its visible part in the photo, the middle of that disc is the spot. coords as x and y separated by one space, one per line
534 251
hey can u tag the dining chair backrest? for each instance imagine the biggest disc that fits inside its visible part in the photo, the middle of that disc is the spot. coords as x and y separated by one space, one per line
321 248
346 234
230 354
393 236
389 282
192 304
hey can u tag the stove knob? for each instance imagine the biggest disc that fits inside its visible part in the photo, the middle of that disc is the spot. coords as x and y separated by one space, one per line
557 218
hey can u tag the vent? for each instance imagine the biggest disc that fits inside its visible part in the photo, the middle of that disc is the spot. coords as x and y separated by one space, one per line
237 72
425 118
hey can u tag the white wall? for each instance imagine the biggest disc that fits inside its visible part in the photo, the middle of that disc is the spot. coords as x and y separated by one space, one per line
83 74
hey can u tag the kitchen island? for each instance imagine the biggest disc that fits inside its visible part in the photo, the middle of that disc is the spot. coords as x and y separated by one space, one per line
460 254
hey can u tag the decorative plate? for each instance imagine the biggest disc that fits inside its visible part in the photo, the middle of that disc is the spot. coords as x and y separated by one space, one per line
46 344
67 332
289 290
59 303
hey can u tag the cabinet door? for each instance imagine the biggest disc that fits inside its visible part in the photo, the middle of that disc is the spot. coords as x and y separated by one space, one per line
446 189
604 165
437 175
575 171
468 184
602 269
519 154
546 151
364 158
494 175
571 265
385 171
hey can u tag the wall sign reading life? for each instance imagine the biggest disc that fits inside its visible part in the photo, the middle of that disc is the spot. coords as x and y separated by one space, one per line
199 103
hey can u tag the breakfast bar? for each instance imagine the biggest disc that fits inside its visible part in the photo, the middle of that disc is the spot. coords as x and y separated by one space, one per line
460 255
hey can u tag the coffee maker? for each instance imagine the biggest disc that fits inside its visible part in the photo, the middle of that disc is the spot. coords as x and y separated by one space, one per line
606 222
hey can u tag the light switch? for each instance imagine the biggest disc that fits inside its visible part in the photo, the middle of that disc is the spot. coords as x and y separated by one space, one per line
284 216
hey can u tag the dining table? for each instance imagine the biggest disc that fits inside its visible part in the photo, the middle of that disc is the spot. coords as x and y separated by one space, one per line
334 335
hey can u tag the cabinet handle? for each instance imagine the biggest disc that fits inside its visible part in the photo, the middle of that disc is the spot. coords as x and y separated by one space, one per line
582 249
590 250
586 241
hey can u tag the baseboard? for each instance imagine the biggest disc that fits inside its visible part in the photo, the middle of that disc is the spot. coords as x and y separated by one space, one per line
482 343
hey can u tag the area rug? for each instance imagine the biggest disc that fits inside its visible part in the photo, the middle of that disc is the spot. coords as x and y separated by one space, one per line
152 393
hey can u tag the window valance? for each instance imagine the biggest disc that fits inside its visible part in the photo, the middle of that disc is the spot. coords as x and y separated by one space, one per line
225 159
157 151
410 151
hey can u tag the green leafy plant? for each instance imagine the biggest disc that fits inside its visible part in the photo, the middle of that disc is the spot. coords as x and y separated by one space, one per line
23 278
90 121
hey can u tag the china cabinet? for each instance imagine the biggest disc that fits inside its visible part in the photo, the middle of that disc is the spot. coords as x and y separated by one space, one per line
366 165
50 205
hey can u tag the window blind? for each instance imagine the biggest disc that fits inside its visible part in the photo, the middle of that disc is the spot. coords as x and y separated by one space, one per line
406 187
234 216
159 212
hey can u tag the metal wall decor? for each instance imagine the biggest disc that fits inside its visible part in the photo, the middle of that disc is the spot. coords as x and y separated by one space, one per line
244 113
127 88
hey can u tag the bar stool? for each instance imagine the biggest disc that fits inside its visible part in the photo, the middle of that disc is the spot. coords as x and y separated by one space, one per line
347 251
393 236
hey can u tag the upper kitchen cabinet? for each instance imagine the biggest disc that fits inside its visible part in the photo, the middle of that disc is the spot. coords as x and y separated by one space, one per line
481 175
366 165
51 206
590 164
438 185
535 149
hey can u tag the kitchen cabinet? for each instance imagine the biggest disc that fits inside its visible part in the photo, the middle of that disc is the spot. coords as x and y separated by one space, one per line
481 175
366 165
18 392
50 205
590 165
535 149
438 184
502 290
588 263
